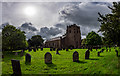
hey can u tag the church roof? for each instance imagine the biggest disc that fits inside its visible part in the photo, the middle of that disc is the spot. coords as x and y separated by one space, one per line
56 38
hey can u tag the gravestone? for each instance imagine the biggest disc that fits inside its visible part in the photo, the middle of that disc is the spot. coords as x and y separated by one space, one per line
109 50
63 48
50 49
57 51
53 49
16 67
34 49
102 50
30 49
106 50
27 58
41 49
48 58
98 53
67 49
87 53
75 56
16 53
90 48
96 48
116 52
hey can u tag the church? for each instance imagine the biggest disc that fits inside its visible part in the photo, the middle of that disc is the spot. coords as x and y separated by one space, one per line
72 39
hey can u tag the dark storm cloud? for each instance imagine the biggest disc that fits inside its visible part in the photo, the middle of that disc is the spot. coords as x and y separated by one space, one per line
47 33
83 14
28 26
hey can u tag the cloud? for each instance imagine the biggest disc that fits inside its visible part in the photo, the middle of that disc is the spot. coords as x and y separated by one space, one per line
48 33
84 15
28 26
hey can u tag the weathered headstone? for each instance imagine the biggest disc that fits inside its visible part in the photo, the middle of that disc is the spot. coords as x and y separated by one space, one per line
57 51
50 49
48 58
109 50
75 56
102 50
66 49
34 49
63 48
41 49
16 67
27 58
87 53
106 50
30 49
98 53
53 49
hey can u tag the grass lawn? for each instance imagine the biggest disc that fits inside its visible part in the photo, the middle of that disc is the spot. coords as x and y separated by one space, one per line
107 63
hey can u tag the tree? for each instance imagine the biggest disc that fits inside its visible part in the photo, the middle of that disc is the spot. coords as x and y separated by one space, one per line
13 39
93 39
110 25
83 42
35 41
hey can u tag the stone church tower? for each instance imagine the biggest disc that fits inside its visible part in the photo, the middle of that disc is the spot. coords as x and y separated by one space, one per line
73 36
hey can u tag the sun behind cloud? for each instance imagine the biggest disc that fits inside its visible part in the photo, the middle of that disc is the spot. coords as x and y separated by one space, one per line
30 11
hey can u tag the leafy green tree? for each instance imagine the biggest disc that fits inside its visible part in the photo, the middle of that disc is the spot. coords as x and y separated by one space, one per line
13 39
110 25
35 41
83 42
93 39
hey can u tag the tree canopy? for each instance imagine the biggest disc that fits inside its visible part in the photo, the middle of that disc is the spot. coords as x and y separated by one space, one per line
110 25
13 39
35 41
93 39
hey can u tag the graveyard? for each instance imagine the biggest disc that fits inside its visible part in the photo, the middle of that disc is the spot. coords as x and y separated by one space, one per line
64 63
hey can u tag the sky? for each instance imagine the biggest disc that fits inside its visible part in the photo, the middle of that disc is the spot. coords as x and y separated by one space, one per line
50 19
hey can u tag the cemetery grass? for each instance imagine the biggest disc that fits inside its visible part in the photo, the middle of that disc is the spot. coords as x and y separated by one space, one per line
107 63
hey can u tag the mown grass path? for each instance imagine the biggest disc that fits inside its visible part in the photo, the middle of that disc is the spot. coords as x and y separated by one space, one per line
107 63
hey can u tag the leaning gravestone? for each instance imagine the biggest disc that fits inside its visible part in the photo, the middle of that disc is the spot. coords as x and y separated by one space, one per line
48 58
87 53
75 56
16 67
27 58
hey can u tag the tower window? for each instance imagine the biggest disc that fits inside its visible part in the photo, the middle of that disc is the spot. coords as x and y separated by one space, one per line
69 31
